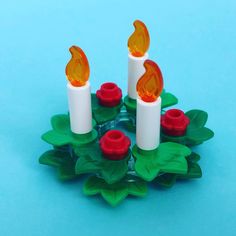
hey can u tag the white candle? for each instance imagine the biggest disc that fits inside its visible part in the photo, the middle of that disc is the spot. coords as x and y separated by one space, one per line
79 92
138 44
135 71
148 114
148 124
80 111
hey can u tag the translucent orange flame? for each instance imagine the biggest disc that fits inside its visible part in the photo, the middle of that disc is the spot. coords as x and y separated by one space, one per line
150 85
77 69
139 41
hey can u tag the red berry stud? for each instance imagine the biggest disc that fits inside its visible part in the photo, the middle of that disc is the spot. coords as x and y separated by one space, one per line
109 95
115 145
174 122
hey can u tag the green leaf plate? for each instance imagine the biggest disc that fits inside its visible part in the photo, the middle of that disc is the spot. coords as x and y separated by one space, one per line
168 158
194 171
62 161
91 160
117 192
168 99
103 114
61 134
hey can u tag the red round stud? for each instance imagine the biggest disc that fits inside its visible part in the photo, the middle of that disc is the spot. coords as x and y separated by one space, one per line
109 94
115 145
174 122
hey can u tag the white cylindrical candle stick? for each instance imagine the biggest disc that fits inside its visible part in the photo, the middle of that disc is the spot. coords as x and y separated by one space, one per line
135 71
148 124
80 110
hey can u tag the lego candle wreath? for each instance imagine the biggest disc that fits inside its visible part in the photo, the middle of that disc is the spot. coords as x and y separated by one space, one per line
90 139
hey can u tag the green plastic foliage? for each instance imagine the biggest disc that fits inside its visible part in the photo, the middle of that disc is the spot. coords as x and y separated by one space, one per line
130 104
167 100
103 114
168 157
62 161
61 134
194 171
117 192
166 180
166 164
196 132
91 160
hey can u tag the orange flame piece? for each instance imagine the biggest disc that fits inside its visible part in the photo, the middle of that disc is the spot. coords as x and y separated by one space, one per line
77 69
150 85
139 41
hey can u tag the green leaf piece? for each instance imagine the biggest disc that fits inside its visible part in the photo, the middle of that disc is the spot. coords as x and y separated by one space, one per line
61 134
86 164
130 104
175 139
168 157
62 161
199 135
196 132
84 139
117 192
198 118
113 171
115 195
103 114
56 139
166 180
194 171
137 188
147 169
61 124
67 171
53 158
167 99
91 160
171 157
194 157
93 185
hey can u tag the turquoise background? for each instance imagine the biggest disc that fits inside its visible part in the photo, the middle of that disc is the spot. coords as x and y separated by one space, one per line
194 44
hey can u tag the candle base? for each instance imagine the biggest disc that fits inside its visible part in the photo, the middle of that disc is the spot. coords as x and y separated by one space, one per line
61 134
82 139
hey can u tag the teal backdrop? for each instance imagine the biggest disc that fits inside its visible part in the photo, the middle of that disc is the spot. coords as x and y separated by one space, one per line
194 43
